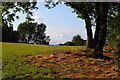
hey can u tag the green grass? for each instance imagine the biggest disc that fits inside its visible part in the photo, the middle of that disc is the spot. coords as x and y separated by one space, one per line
15 63
64 63
21 49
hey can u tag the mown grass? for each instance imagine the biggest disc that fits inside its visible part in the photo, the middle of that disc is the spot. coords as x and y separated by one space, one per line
45 62
14 62
21 49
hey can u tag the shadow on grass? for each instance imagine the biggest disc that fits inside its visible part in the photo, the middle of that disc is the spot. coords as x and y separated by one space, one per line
90 56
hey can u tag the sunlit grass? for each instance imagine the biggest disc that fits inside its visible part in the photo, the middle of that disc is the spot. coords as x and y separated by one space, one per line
14 60
18 48
30 62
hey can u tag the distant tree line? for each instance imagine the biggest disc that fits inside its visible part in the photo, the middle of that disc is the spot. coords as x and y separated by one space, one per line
27 32
76 41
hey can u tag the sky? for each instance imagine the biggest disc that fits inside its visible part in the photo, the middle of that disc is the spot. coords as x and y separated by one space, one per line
62 24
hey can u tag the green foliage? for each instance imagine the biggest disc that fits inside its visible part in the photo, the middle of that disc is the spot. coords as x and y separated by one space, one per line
33 33
25 30
9 14
114 29
9 10
69 43
114 35
78 41
83 9
8 35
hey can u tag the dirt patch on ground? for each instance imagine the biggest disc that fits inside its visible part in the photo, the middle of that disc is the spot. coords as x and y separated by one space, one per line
77 64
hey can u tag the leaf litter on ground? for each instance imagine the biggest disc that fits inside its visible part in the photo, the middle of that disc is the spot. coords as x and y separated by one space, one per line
76 63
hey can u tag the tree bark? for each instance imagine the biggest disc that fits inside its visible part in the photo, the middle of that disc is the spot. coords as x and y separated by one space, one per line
102 38
84 11
89 42
98 27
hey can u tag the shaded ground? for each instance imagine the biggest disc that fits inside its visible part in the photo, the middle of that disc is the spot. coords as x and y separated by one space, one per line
76 64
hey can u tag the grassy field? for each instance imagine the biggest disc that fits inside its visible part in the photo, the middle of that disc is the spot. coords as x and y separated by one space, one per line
31 49
14 59
40 62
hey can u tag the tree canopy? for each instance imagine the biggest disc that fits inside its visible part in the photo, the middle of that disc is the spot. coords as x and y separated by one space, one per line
9 14
113 37
33 33
9 10
78 41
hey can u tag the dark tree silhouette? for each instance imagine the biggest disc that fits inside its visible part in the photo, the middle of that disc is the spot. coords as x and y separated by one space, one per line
78 41
9 10
33 33
8 35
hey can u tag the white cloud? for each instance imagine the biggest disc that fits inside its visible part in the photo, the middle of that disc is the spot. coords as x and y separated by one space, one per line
37 18
62 35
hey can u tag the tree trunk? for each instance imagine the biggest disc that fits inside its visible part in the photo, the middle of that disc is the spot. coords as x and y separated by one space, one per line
102 38
98 27
89 42
84 11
